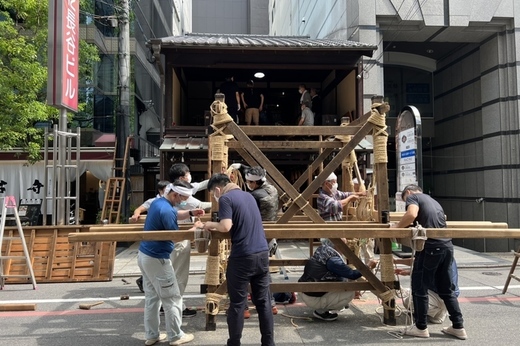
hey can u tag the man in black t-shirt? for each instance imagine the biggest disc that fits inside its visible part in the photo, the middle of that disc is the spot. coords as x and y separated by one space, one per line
232 97
432 265
253 102
248 262
316 107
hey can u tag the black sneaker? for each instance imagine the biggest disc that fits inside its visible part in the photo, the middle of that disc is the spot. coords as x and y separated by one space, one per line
187 313
326 316
139 283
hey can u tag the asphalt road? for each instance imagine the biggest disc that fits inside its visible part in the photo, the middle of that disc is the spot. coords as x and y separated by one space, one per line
491 318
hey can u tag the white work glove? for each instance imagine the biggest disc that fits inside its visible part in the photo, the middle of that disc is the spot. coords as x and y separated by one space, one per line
236 165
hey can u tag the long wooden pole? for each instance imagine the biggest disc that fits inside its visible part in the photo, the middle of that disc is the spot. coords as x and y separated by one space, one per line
304 233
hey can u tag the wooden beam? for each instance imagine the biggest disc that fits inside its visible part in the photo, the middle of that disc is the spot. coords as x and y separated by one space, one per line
282 262
306 224
361 120
320 286
17 307
476 224
276 145
304 233
333 164
299 130
360 266
312 167
274 172
267 225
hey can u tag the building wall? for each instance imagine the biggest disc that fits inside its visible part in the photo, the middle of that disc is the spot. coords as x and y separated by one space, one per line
230 16
334 20
474 154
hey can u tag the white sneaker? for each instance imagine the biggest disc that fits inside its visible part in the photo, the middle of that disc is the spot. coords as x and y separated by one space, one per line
150 342
184 339
458 333
414 331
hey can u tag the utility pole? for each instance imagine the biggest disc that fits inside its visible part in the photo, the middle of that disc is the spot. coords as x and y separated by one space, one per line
123 111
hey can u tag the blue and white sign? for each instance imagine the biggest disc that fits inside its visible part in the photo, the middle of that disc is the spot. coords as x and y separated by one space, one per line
408 148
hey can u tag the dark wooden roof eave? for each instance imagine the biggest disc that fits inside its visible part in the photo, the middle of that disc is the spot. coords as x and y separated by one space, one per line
273 49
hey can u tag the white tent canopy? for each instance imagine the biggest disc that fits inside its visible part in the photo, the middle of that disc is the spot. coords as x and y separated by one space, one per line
20 176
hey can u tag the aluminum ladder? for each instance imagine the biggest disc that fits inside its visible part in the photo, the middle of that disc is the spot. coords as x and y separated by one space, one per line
9 203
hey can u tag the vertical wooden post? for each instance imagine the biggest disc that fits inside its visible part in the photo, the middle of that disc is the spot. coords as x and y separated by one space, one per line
217 163
379 109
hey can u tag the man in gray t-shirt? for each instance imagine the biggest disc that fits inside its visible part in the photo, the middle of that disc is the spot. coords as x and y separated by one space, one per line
146 205
307 117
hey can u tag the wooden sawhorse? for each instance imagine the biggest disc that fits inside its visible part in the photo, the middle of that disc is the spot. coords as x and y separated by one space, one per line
512 272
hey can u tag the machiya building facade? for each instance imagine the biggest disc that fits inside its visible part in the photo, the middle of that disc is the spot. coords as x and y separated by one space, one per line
457 63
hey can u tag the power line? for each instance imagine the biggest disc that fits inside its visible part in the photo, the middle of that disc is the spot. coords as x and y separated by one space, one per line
146 20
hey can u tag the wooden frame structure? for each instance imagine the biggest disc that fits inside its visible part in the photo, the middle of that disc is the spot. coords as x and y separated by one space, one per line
291 226
345 138
334 230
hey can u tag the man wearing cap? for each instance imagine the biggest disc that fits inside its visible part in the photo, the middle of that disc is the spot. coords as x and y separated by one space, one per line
253 103
331 201
159 281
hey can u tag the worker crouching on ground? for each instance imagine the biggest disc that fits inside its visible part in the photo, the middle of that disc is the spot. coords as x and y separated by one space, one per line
326 264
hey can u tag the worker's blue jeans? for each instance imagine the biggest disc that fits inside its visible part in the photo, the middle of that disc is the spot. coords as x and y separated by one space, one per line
432 270
242 271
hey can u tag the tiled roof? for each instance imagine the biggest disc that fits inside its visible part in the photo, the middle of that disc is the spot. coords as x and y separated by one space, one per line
184 143
261 41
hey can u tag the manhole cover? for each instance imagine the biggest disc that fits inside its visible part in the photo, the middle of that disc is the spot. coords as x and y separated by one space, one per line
492 273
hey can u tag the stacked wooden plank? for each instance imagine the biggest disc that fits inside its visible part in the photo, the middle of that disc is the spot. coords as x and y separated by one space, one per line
56 259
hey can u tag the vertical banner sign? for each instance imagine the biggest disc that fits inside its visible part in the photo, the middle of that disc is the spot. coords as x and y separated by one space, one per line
408 139
62 81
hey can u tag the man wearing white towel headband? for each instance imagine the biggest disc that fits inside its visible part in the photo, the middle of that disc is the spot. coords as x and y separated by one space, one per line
159 281
182 250
265 194
331 201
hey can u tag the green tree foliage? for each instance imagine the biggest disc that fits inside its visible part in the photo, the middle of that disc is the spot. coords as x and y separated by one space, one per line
23 74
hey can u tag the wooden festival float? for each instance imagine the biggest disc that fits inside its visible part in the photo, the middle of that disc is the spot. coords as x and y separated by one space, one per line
300 220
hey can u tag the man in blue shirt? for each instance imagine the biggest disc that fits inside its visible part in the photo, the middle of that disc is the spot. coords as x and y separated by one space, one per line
248 261
160 284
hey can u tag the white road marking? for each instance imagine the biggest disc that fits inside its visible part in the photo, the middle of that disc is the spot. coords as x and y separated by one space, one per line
194 296
78 300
